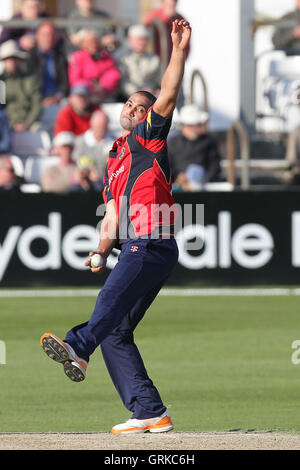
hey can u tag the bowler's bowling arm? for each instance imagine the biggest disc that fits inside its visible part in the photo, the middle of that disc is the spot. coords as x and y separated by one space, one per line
172 78
108 235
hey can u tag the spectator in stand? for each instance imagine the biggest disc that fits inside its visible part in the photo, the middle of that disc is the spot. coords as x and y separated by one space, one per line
30 10
86 177
94 67
85 11
59 178
5 133
48 61
288 38
166 14
23 97
76 115
193 153
8 177
140 69
95 143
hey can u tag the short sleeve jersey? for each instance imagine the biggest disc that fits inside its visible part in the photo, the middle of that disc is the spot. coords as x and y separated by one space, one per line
138 178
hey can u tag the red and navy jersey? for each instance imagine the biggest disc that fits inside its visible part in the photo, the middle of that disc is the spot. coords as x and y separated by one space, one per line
138 178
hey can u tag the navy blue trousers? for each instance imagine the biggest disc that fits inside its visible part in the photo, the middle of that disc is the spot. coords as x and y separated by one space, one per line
143 267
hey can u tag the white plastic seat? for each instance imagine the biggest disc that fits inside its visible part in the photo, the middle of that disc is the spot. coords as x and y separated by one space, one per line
113 111
48 117
31 143
18 165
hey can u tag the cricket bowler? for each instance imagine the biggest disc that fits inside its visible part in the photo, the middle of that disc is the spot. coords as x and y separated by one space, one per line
137 183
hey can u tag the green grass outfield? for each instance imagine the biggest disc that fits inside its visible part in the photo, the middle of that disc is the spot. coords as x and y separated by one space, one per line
223 363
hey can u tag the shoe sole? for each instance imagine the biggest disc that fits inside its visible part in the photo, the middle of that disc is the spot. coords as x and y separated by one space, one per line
73 372
54 349
58 353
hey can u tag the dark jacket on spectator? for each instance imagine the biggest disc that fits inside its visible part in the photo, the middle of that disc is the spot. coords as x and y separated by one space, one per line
283 38
202 151
36 61
5 133
23 98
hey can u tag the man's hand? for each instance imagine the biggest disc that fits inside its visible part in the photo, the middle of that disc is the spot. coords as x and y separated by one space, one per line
101 268
181 34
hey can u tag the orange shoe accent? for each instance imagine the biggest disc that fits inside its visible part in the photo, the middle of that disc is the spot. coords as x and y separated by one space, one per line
45 335
166 421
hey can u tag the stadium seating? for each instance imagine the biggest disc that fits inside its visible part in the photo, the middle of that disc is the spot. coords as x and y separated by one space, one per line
29 143
35 167
18 165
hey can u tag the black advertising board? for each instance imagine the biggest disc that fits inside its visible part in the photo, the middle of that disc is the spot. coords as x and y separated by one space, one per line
250 238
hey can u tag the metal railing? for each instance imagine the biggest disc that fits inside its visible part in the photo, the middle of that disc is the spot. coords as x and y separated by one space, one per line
158 26
239 130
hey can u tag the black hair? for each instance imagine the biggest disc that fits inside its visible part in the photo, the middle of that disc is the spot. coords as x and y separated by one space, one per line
150 97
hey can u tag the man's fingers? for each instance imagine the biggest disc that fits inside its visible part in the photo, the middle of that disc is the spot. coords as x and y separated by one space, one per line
97 270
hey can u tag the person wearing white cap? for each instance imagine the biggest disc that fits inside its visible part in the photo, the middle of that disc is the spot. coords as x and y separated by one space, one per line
193 153
58 178
140 69
23 97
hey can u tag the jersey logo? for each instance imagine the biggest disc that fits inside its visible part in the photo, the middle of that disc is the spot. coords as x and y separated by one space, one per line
149 122
134 248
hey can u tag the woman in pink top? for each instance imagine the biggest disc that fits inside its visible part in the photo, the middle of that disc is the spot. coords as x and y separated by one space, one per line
93 66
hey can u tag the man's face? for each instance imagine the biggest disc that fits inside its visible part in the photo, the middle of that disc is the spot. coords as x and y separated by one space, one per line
30 9
169 6
11 65
98 125
65 153
134 110
193 132
138 44
7 172
85 5
46 37
90 43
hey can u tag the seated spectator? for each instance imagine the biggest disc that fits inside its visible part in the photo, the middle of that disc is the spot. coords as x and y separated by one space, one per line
85 11
140 69
166 14
288 38
86 177
193 153
95 143
76 115
5 133
50 65
30 10
23 97
8 178
94 67
59 178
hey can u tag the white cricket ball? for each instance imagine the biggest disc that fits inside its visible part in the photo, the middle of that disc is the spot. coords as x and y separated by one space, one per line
96 261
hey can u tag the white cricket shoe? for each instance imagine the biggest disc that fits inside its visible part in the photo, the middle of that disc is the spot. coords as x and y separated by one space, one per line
162 423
